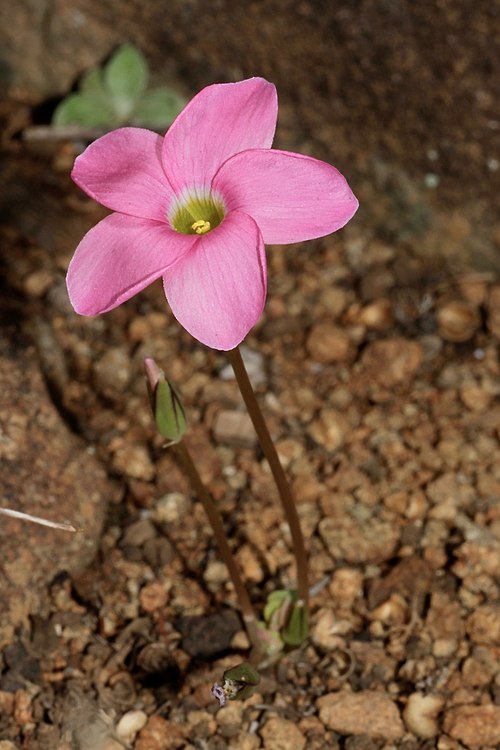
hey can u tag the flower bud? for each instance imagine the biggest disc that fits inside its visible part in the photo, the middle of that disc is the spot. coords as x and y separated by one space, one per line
168 411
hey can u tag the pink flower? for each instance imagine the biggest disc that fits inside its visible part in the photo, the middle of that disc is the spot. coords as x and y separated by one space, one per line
196 207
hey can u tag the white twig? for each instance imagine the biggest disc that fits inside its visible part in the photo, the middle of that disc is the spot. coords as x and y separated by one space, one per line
36 519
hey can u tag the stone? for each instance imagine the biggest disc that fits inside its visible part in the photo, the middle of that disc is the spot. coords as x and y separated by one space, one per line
234 428
161 734
458 321
328 344
393 361
475 726
131 723
46 471
483 625
421 712
282 734
371 540
368 712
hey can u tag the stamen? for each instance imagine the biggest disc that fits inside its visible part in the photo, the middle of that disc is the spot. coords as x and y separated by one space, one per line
201 226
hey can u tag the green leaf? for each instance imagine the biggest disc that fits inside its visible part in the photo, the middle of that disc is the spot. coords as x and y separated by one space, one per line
158 108
92 83
297 628
126 74
83 109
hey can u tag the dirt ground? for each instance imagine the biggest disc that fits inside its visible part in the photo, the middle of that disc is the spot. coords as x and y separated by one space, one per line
376 364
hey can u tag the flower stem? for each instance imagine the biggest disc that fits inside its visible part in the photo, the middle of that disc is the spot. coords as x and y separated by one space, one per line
282 484
216 523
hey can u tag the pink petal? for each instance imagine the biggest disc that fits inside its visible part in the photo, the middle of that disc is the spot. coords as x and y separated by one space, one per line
291 197
123 171
220 121
217 291
119 257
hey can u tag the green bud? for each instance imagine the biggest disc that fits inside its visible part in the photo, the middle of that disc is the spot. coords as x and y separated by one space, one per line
168 411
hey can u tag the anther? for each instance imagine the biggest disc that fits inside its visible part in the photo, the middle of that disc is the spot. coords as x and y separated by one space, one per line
201 226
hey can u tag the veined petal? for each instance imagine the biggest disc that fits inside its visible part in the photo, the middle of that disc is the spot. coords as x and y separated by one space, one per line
220 121
123 171
291 197
119 257
217 291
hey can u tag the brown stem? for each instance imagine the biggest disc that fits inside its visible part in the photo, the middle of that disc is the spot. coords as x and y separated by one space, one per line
222 543
270 453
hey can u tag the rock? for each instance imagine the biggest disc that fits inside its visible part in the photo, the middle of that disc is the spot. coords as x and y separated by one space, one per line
282 734
131 723
370 540
46 472
368 712
475 726
458 321
235 428
420 714
161 734
134 461
494 311
112 372
328 344
483 625
393 361
330 429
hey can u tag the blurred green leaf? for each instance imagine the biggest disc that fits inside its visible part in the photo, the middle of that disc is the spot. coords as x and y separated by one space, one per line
92 83
126 74
297 628
83 109
158 108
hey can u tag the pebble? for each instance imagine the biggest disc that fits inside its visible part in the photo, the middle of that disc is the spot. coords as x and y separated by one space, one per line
372 540
474 397
483 625
153 596
393 361
367 712
160 734
134 461
458 321
329 430
475 726
282 734
328 344
131 723
234 428
172 507
421 713
112 372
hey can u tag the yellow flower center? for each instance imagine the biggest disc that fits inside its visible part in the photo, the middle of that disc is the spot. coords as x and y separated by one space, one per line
198 214
201 226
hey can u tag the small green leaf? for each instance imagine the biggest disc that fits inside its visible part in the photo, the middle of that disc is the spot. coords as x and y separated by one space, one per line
92 83
244 673
297 628
126 74
278 608
83 109
158 108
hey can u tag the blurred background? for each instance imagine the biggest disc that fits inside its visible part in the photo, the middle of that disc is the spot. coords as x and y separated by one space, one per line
400 96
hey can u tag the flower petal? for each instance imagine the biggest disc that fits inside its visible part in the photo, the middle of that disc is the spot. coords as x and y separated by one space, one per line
123 171
119 257
217 291
220 121
291 197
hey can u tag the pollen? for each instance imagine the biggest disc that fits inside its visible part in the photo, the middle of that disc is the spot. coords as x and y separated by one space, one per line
201 226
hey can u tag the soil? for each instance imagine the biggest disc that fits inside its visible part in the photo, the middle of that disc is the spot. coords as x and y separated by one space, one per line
376 364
